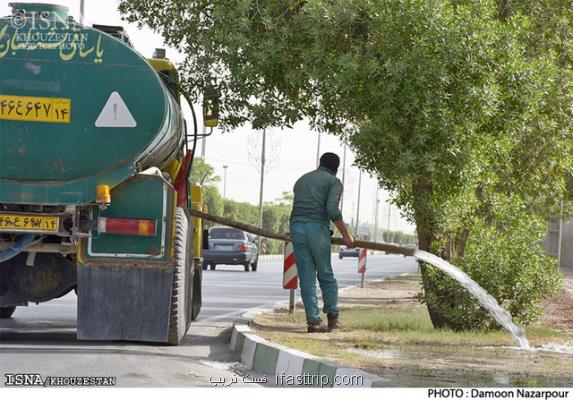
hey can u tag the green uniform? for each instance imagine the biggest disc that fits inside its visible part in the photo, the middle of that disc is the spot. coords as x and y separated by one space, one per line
316 199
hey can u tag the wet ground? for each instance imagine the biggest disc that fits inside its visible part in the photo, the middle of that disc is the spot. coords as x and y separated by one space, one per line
387 332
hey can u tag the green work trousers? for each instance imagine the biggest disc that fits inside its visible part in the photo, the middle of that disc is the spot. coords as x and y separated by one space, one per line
311 244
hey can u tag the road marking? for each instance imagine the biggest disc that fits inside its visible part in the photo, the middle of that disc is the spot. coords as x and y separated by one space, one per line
115 114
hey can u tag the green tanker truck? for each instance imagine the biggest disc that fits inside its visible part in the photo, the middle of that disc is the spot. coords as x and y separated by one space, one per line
94 179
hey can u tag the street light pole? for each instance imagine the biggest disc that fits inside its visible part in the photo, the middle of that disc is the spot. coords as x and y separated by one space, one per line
82 11
318 151
388 230
204 143
261 187
225 182
358 206
376 215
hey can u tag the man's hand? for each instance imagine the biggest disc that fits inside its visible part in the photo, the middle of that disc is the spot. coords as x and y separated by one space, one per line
348 241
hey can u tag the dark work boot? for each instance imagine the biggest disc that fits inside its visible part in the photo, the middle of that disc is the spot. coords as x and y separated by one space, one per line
333 323
316 327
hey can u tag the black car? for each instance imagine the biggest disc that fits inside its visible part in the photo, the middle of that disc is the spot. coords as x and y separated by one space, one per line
344 251
232 247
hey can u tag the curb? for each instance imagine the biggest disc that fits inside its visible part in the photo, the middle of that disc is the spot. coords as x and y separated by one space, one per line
271 257
274 257
293 367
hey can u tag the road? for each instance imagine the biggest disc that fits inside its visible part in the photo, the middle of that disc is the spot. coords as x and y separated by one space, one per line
41 338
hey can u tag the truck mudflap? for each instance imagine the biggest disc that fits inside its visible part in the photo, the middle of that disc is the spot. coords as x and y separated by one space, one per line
123 303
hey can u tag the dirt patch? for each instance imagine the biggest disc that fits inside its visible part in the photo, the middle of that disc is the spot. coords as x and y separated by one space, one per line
559 311
387 332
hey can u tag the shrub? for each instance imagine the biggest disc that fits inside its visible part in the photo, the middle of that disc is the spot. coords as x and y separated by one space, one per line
507 260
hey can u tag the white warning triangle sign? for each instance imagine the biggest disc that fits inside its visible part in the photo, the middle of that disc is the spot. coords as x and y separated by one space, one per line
115 114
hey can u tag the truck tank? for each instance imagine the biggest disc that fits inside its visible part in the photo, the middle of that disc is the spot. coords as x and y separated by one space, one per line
79 107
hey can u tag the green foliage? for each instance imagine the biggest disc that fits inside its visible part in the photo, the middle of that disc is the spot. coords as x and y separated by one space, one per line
456 96
275 219
286 199
214 202
399 237
202 173
506 259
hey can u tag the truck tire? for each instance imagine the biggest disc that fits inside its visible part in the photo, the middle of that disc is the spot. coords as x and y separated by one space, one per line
246 265
197 297
181 275
255 264
6 312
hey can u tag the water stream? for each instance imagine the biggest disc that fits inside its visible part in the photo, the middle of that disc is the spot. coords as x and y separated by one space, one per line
501 315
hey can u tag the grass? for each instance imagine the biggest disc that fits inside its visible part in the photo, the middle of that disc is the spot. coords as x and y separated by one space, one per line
409 349
410 324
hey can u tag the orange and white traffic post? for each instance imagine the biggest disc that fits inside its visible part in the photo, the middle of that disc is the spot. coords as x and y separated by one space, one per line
290 275
362 265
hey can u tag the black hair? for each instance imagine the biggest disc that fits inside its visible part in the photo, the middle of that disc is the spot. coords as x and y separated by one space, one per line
330 161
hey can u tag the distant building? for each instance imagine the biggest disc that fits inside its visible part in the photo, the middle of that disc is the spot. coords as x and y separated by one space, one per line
551 242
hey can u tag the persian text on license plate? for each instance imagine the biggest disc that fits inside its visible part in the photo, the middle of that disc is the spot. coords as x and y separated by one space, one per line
33 223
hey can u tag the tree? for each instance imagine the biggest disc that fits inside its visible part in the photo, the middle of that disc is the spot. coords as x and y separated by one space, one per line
399 237
286 199
202 173
214 203
454 106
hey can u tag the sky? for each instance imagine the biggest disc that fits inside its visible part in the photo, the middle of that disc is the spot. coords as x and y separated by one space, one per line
290 152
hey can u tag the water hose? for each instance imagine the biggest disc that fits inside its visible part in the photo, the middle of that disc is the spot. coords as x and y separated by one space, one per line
17 247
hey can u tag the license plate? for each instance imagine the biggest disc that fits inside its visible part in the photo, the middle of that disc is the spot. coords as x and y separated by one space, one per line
31 223
39 109
224 247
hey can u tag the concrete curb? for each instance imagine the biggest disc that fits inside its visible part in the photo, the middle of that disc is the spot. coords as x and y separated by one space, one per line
274 257
271 257
291 367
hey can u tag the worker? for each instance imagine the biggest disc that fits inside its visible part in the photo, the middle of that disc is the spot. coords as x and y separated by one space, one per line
316 203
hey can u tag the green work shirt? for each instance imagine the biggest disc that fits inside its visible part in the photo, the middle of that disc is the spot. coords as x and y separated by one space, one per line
316 197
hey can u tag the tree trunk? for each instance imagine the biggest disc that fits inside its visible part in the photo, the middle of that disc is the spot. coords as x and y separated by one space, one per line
424 215
505 8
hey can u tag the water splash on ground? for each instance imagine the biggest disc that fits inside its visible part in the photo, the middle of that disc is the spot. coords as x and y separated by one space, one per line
548 348
556 348
501 315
